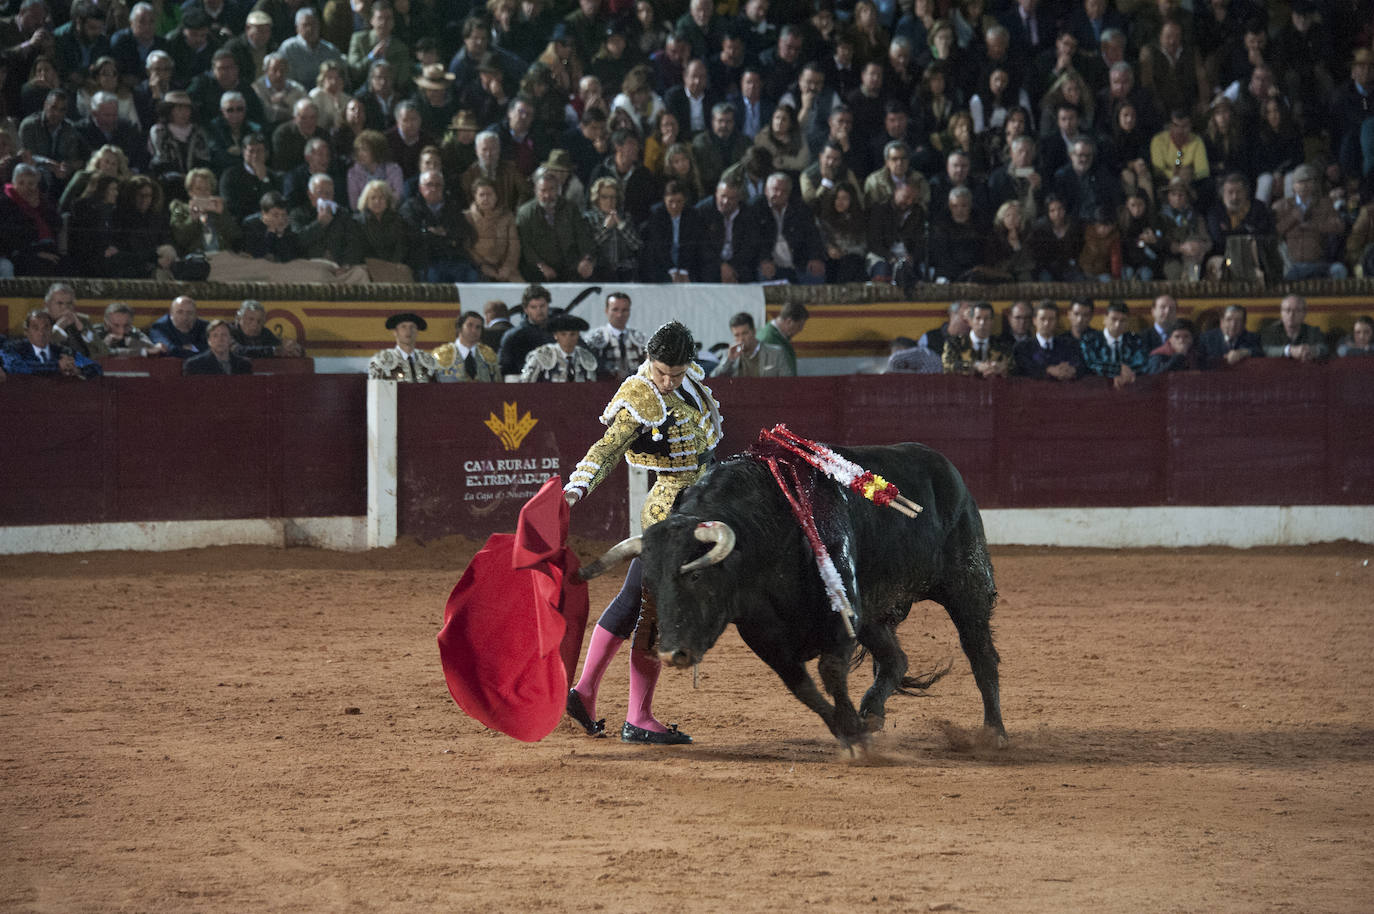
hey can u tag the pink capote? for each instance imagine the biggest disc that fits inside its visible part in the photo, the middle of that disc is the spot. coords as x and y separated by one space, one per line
513 625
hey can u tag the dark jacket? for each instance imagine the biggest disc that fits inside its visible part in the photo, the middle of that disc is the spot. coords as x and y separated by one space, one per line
744 249
656 255
207 364
181 345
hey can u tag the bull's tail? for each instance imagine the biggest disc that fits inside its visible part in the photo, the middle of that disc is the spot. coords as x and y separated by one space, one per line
909 685
913 684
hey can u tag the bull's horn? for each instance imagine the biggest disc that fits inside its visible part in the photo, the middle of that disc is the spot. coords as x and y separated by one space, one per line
712 531
620 552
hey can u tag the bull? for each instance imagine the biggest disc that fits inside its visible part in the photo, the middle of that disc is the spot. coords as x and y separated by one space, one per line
760 574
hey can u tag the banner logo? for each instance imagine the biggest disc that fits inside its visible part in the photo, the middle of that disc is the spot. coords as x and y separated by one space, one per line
512 427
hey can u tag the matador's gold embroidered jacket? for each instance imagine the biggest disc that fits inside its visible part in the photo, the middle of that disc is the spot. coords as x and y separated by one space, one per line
666 433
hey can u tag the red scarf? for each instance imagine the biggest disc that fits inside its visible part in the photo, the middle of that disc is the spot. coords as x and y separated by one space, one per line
33 212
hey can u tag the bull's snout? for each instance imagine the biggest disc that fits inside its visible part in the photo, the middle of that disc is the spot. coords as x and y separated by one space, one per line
680 659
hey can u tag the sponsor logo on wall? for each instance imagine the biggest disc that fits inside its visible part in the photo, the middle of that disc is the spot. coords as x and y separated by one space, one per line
519 477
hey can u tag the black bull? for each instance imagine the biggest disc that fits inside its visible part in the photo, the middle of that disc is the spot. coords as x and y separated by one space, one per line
768 585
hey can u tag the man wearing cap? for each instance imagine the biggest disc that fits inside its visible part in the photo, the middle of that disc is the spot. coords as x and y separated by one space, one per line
253 45
191 47
435 99
1308 225
459 142
467 358
560 165
305 50
619 348
563 359
404 362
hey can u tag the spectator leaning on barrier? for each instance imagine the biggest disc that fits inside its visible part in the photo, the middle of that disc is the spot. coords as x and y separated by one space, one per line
1289 338
117 337
1178 352
69 328
36 354
1045 355
219 358
518 342
252 339
1229 343
180 331
1115 352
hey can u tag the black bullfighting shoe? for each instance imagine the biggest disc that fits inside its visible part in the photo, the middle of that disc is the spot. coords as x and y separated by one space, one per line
578 712
673 737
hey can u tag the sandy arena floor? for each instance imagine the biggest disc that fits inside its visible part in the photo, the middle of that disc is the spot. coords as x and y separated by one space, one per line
249 729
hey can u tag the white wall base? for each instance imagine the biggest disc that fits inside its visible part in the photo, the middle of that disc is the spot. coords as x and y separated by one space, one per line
1101 528
1124 528
343 533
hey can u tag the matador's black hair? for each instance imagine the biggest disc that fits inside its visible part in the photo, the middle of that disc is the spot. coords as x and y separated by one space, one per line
672 344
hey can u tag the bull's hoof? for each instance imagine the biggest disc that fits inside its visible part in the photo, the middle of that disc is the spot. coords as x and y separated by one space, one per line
672 737
873 723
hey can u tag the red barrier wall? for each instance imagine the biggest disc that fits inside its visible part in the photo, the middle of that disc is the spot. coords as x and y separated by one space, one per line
182 449
1268 433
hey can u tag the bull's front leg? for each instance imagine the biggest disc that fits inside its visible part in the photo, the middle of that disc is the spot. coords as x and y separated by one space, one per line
834 670
791 669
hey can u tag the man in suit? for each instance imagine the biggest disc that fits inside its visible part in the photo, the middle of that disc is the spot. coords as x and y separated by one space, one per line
289 138
1047 355
367 46
1115 352
748 358
691 102
1030 29
379 95
556 244
1163 312
729 251
790 242
36 354
897 236
672 235
467 358
224 75
1290 338
754 110
1229 343
318 159
219 358
180 331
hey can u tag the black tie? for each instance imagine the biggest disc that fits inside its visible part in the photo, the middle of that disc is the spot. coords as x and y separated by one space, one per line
42 357
624 365
411 360
470 365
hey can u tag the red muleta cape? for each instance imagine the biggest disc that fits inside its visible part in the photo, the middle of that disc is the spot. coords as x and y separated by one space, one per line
513 625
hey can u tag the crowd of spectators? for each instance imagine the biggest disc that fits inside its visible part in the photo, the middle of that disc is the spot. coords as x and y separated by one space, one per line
698 141
1030 344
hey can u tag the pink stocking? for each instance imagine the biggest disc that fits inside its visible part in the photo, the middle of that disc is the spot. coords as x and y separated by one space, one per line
644 669
600 653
